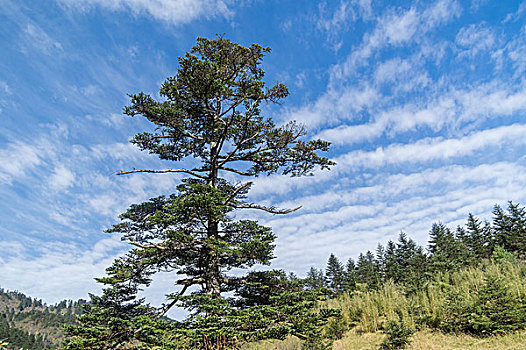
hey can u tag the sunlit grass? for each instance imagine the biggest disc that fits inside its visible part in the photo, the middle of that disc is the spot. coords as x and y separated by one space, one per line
423 340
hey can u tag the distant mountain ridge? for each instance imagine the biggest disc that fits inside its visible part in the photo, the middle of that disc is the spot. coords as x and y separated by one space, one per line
28 323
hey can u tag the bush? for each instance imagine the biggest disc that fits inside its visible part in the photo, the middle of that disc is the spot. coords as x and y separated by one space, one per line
335 327
398 335
494 309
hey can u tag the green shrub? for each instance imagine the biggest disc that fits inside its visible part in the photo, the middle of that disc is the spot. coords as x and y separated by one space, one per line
398 336
492 309
335 327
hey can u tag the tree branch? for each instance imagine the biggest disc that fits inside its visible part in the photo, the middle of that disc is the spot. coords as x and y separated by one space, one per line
169 306
186 283
235 171
153 245
190 172
231 154
267 209
231 107
236 191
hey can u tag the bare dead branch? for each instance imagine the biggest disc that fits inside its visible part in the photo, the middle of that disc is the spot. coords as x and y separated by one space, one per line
267 209
190 172
235 171
143 246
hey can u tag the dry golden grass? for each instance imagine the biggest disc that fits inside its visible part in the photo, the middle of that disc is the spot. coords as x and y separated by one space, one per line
424 340
435 341
291 343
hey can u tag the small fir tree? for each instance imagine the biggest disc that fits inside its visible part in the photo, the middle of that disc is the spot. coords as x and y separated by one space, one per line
334 274
350 276
479 238
367 270
315 278
510 228
391 268
444 249
411 262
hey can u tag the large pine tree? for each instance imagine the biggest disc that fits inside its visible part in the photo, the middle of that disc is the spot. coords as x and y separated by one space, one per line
210 113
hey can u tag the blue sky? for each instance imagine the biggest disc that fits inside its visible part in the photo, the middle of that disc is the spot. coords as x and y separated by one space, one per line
423 101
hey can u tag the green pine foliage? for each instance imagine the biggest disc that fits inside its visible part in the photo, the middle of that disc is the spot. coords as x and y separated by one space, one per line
315 278
509 228
350 277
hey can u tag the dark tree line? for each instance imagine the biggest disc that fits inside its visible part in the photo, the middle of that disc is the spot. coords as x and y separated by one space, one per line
405 262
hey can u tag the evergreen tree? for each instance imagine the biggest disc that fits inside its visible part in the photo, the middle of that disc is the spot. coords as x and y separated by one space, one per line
466 254
510 228
444 249
391 268
479 238
210 113
518 219
367 270
334 274
315 278
410 261
349 283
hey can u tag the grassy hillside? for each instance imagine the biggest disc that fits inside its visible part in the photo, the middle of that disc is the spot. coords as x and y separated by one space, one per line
30 324
480 307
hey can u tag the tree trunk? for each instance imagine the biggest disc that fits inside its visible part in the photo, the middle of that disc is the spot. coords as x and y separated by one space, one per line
212 268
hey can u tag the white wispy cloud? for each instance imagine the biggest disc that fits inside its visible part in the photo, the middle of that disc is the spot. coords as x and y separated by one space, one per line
61 178
383 188
514 16
422 152
426 150
39 39
17 159
175 12
397 28
333 22
451 110
335 105
475 38
67 269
